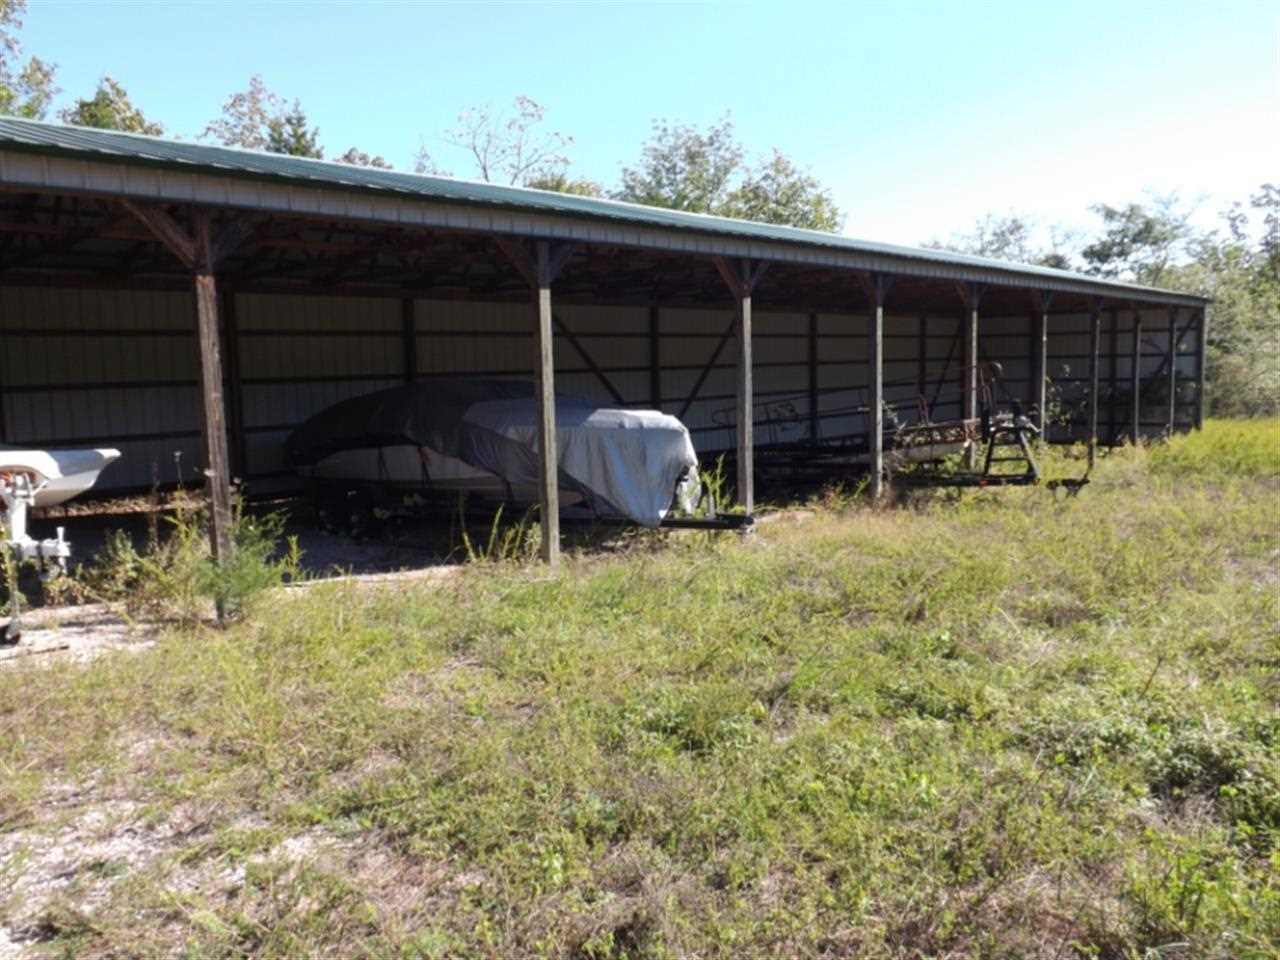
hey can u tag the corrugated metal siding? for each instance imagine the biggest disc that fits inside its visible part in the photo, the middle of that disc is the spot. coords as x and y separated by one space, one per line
1069 373
299 355
782 373
693 341
616 339
105 368
120 368
842 375
489 339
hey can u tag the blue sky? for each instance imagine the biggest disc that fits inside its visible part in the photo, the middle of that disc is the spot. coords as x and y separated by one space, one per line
919 116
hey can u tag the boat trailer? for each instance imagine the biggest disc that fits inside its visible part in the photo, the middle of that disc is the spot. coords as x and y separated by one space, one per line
32 479
993 432
929 443
18 492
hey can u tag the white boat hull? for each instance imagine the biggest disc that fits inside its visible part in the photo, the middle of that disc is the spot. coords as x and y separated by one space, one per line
58 474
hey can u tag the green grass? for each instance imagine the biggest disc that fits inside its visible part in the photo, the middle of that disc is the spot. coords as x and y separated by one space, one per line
1225 448
1002 725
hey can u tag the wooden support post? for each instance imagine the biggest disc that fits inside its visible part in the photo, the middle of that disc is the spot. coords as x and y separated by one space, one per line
409 338
1113 414
215 430
813 378
1202 349
655 357
971 294
1173 369
1033 359
922 359
746 409
741 277
1136 376
878 289
1040 361
4 419
201 252
540 269
1095 342
548 472
232 386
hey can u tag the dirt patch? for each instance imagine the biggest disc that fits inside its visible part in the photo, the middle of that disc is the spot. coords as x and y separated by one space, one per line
67 858
423 689
52 634
785 516
1056 610
83 633
93 850
443 572
1261 572
89 839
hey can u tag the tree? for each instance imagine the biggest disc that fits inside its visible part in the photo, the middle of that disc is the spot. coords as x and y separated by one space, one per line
1000 237
1267 200
1138 243
1011 237
1062 242
563 183
245 117
26 90
505 147
779 192
1155 243
705 171
683 168
424 163
1243 357
110 109
289 133
258 119
358 158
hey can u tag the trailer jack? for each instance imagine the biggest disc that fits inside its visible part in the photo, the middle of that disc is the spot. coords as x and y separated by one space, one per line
17 496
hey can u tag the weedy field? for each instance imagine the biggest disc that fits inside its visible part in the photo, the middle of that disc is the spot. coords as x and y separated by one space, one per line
1003 724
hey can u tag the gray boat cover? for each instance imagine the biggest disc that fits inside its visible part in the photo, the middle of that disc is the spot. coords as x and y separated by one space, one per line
626 462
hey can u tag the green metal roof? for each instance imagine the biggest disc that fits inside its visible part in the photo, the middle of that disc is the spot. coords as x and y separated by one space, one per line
88 143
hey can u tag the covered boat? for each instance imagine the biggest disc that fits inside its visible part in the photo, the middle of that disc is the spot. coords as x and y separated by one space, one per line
481 437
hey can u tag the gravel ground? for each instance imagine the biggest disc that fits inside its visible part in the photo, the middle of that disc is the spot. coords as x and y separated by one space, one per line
77 633
326 554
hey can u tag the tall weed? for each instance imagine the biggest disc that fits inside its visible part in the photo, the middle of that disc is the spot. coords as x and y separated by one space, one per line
510 542
174 576
1225 448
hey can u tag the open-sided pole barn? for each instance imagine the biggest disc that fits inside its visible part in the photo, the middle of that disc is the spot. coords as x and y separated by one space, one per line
309 282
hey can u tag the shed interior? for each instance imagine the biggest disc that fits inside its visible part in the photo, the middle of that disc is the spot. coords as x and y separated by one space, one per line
96 316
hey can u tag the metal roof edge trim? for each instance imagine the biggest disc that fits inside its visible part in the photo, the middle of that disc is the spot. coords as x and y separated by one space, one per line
866 255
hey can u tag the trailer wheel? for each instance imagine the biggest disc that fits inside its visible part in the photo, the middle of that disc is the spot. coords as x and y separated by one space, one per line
333 510
352 513
365 518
